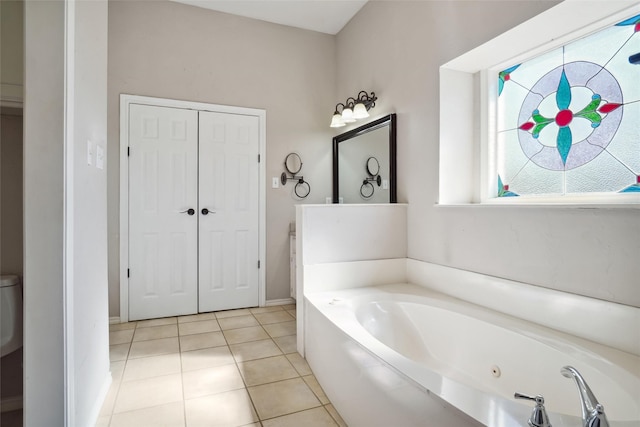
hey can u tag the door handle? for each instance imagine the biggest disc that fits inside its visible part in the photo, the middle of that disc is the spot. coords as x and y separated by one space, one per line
206 211
189 211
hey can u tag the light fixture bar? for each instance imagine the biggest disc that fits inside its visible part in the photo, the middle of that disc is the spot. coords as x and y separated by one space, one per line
353 109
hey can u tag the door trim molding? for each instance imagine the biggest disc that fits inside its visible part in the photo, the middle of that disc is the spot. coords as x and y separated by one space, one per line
125 102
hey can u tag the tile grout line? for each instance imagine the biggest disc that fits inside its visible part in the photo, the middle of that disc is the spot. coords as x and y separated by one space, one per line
184 400
236 362
303 410
246 387
300 376
126 361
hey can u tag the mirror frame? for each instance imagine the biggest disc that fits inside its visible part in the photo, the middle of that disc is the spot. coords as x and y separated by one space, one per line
390 121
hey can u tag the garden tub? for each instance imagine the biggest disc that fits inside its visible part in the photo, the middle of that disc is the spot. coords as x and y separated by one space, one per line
405 355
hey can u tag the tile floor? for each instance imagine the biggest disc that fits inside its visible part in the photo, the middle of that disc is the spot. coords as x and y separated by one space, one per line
229 368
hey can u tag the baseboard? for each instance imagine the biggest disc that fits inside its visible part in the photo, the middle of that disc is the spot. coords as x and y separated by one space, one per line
284 301
13 403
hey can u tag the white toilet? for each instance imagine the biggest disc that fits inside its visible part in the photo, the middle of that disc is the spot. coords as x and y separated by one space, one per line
10 314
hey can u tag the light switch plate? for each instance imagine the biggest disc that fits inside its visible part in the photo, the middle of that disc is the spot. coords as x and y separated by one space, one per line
275 182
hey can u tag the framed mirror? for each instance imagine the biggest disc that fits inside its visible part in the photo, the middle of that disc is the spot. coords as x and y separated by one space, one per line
364 163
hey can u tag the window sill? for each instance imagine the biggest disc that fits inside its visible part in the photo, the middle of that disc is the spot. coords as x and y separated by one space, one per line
634 203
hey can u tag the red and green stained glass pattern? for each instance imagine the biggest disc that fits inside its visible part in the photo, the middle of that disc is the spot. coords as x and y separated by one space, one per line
569 120
503 190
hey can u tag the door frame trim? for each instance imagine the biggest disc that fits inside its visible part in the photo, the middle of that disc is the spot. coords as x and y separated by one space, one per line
126 101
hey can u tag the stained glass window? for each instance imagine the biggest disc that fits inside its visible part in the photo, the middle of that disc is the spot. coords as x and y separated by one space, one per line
568 121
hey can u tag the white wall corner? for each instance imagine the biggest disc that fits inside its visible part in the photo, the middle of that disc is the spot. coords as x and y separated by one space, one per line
348 237
457 139
94 413
299 281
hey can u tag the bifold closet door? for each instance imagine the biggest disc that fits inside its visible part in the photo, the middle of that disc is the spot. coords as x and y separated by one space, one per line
163 216
229 215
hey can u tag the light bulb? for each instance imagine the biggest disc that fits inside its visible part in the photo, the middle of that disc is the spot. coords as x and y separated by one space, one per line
360 111
336 121
347 115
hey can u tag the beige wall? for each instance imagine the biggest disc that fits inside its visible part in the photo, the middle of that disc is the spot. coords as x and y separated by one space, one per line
44 331
11 46
11 193
171 50
584 251
11 85
176 51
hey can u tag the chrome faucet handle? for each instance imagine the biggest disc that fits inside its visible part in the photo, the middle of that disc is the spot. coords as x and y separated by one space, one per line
539 416
592 411
597 418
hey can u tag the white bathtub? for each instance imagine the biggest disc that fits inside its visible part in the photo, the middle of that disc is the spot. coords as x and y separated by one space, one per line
402 355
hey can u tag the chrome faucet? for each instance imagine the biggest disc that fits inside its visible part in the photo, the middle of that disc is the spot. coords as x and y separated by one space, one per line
592 411
539 416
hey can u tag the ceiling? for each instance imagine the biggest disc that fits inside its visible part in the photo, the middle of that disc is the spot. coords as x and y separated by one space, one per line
325 16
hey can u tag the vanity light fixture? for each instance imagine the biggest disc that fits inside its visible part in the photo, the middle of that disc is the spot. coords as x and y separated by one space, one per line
353 109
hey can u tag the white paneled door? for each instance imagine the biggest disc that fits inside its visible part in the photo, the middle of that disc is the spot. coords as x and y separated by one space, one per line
163 186
193 211
228 248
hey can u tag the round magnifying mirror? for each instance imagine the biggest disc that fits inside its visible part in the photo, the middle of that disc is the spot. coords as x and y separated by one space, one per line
293 163
373 167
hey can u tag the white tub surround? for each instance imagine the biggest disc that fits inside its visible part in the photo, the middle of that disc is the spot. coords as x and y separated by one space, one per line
366 389
611 324
398 341
329 234
407 347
